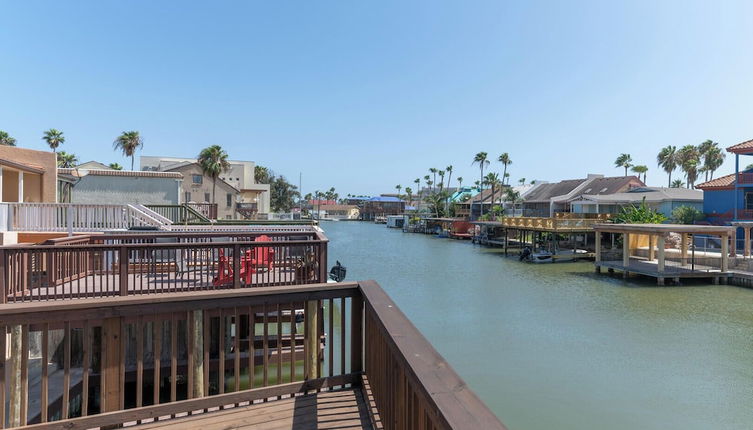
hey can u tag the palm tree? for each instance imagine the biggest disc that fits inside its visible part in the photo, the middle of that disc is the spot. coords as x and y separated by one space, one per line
624 160
677 183
418 187
640 170
441 180
480 158
427 182
712 160
6 140
128 143
409 192
667 160
506 161
213 162
398 188
115 166
522 181
448 169
688 158
54 138
66 160
460 182
491 179
433 171
513 197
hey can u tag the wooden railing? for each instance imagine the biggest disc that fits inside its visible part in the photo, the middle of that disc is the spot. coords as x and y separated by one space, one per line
129 264
208 210
552 224
128 360
74 217
745 178
179 214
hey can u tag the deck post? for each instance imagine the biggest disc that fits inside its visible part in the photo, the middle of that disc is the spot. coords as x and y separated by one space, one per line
683 249
725 252
16 391
311 337
733 243
197 339
123 270
626 249
651 244
112 362
597 247
660 256
746 248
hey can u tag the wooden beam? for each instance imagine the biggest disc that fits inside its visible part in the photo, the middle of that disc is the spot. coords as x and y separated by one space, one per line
660 256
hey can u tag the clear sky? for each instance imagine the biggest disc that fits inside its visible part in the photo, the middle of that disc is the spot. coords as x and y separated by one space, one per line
366 95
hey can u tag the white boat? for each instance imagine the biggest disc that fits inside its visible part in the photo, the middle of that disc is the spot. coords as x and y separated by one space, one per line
544 256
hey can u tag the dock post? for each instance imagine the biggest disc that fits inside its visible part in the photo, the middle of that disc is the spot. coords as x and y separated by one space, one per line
16 390
683 249
197 360
626 250
725 253
651 253
660 281
746 246
660 256
311 337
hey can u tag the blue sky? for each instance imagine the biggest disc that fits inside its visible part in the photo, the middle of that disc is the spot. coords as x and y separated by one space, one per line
366 95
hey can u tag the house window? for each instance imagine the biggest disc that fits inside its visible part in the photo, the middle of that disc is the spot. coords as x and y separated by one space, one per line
206 197
229 200
187 197
749 200
198 179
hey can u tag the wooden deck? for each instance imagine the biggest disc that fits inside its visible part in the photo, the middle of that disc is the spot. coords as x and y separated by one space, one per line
343 409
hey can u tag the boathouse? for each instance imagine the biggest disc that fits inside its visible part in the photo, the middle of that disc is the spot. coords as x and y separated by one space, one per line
664 251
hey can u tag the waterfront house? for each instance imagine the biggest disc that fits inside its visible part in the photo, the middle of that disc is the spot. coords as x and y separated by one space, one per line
253 198
336 211
124 187
727 198
549 199
660 199
93 165
197 188
382 206
27 175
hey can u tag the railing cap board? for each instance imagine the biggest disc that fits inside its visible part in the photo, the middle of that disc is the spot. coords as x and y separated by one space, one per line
454 401
166 245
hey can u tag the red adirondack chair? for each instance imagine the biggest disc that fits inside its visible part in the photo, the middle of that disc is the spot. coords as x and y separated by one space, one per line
257 257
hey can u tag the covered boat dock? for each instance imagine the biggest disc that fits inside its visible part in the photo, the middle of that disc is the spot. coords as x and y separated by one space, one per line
665 251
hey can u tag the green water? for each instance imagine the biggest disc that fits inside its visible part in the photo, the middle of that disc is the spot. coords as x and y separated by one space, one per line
557 346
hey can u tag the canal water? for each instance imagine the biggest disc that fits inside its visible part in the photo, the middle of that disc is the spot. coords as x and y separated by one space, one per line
557 346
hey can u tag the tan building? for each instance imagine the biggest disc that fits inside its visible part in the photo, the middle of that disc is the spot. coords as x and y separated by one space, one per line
27 175
254 198
337 211
196 189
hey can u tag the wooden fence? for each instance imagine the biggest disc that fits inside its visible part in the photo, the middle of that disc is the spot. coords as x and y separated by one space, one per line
127 360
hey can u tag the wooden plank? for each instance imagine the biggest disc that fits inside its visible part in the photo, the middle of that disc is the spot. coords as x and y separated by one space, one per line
44 394
157 352
209 402
174 358
86 360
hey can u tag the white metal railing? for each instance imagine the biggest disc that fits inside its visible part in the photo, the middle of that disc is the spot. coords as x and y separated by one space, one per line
74 217
153 214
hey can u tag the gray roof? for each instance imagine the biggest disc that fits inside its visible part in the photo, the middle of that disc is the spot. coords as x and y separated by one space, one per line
545 192
652 194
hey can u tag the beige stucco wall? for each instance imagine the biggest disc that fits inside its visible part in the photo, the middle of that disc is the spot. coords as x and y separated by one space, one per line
199 190
44 186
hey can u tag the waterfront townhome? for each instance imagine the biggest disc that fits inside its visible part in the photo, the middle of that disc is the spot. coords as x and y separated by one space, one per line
549 199
197 189
123 187
661 199
27 175
382 206
730 197
253 198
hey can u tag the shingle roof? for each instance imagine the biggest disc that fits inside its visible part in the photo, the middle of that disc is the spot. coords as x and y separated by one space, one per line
133 173
610 185
742 148
722 182
543 193
651 194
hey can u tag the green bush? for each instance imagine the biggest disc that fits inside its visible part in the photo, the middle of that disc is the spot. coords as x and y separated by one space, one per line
687 215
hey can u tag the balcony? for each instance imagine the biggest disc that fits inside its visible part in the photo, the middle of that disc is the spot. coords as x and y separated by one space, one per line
295 356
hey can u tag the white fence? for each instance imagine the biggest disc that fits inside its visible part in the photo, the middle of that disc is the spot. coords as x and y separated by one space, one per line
72 217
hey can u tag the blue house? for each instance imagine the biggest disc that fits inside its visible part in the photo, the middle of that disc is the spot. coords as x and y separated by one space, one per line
730 198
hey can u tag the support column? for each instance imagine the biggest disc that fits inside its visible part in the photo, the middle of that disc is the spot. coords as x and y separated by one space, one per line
660 252
725 252
650 247
112 385
16 391
1 184
625 250
733 243
312 339
684 249
746 247
597 246
20 186
198 353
